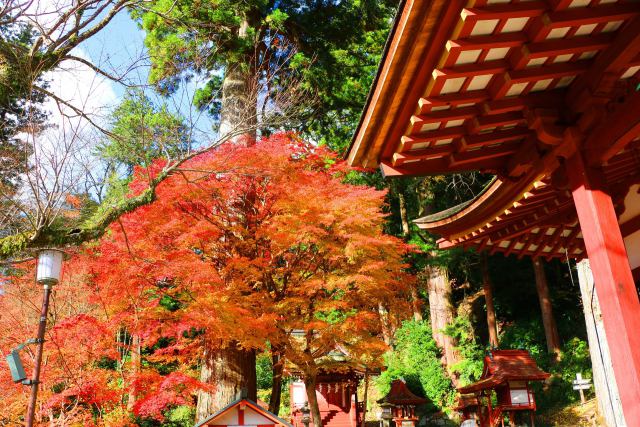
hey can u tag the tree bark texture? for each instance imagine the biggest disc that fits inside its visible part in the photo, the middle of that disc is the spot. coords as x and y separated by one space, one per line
135 369
277 362
387 333
403 213
365 399
310 387
416 303
442 312
604 380
548 320
487 287
238 114
404 219
230 371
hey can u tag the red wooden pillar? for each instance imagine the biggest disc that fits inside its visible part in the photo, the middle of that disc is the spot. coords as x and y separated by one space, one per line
613 279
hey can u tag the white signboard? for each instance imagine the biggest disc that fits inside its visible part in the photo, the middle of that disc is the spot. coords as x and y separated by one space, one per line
519 397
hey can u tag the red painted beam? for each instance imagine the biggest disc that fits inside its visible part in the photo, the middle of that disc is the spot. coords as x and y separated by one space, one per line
613 279
441 75
505 11
436 167
488 122
407 142
417 122
469 142
615 132
607 68
458 160
428 153
454 99
557 47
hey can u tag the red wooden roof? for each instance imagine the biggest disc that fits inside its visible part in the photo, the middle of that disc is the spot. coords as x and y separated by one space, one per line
277 421
511 88
501 366
399 394
540 222
466 401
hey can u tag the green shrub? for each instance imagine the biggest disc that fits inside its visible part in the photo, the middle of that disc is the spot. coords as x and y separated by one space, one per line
416 359
469 368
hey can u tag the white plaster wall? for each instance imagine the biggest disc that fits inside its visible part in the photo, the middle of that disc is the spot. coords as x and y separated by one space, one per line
253 418
228 419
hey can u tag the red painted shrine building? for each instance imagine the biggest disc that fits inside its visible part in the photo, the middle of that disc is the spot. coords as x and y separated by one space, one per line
543 95
402 403
336 391
508 374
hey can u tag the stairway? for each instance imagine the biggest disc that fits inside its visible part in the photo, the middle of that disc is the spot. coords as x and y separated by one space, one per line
335 417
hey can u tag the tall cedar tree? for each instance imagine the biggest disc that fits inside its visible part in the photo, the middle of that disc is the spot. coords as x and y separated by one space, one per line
335 45
20 113
244 246
238 45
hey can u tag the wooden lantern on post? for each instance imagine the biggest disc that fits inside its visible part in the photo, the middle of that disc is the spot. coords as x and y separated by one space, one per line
402 403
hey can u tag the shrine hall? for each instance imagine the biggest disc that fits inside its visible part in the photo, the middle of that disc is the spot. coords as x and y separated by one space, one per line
544 96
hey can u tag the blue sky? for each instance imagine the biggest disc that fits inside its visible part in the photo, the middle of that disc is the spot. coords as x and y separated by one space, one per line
119 43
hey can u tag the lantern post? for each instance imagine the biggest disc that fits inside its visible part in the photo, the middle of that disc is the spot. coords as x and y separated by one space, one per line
306 418
387 413
48 275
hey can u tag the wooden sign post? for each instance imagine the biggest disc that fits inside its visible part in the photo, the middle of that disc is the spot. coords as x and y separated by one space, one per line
581 384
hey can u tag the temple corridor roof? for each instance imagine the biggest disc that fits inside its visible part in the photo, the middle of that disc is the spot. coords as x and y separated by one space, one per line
511 88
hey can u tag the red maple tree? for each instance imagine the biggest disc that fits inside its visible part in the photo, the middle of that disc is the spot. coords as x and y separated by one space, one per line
242 246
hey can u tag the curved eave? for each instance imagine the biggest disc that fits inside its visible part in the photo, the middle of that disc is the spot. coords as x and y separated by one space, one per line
479 212
392 93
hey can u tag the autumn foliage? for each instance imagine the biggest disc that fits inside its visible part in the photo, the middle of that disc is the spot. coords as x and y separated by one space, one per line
242 244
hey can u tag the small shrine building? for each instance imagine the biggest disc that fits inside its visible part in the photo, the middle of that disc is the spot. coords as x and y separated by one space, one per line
508 374
401 403
337 396
243 412
544 95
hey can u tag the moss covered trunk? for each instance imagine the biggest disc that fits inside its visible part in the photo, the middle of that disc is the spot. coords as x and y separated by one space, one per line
442 313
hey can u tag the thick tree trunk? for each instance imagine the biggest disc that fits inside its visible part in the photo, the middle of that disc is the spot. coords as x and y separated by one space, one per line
231 371
403 213
310 387
487 286
404 219
442 313
277 362
238 115
365 399
387 333
604 380
416 303
135 369
549 322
